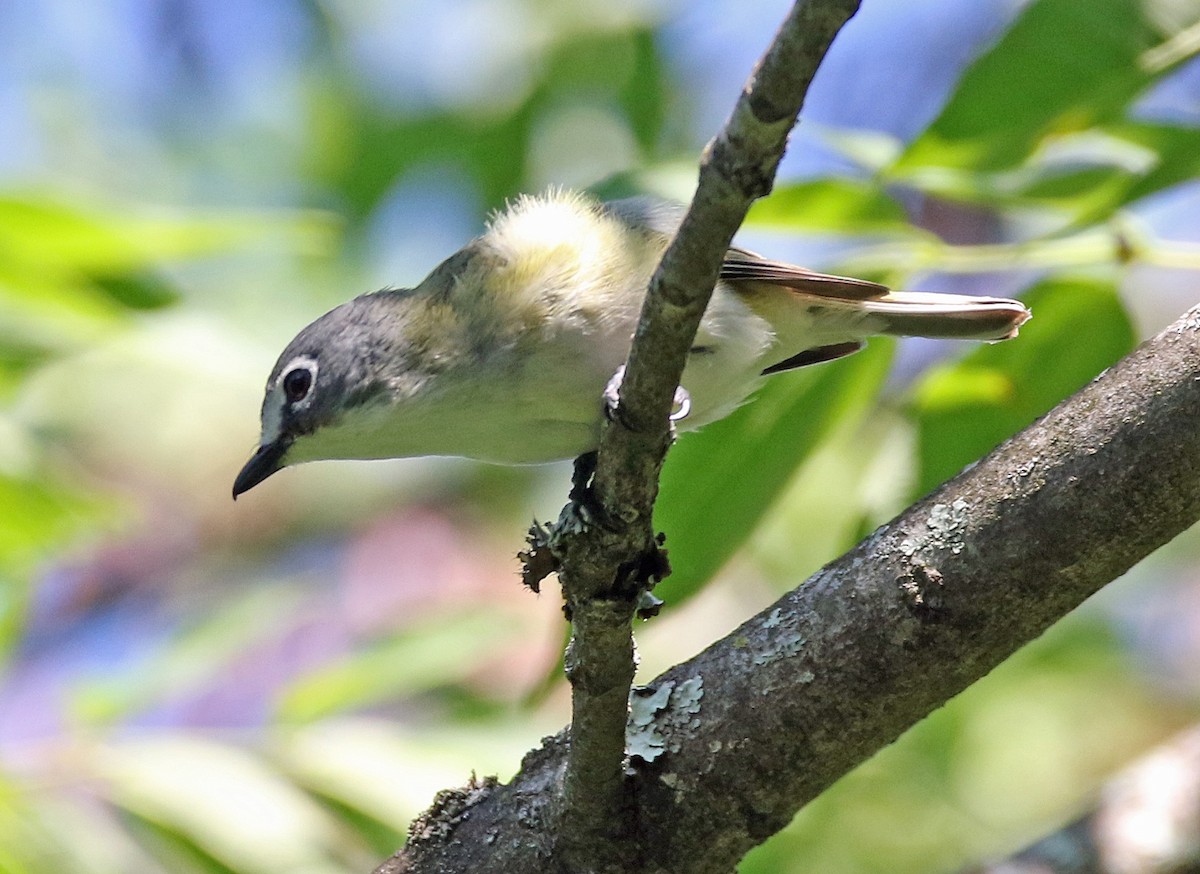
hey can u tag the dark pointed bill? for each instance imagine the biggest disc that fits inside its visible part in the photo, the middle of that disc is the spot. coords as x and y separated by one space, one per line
266 461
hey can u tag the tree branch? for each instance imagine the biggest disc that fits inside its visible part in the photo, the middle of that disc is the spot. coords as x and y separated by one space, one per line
609 560
764 720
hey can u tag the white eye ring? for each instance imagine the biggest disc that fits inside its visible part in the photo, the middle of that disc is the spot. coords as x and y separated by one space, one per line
296 381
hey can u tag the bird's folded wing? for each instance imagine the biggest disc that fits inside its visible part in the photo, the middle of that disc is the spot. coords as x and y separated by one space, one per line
743 266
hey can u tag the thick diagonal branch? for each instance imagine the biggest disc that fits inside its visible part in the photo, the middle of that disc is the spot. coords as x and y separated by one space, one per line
926 605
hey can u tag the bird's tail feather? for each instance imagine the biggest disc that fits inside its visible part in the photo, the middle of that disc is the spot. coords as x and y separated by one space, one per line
948 316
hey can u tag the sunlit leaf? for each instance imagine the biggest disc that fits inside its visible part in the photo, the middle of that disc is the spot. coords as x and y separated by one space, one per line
17 360
41 233
872 150
69 273
1177 157
1084 193
48 833
835 205
1063 66
231 804
1091 176
718 483
173 851
20 838
964 409
379 775
443 651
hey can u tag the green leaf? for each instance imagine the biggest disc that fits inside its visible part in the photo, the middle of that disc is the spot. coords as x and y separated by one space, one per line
17 360
40 518
717 484
41 236
171 849
441 652
1090 176
1064 66
1087 195
377 777
872 151
963 410
47 832
48 316
1177 151
230 804
843 206
69 273
136 290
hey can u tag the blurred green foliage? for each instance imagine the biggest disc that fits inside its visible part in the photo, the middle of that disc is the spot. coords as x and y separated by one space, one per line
964 409
187 686
717 486
1062 68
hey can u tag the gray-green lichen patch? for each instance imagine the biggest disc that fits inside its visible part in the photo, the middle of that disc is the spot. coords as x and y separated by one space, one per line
687 696
782 638
945 528
659 717
643 740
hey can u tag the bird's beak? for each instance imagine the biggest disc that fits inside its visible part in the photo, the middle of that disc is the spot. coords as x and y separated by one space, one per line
266 461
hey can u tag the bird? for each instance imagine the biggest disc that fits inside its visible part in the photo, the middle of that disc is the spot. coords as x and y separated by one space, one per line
504 351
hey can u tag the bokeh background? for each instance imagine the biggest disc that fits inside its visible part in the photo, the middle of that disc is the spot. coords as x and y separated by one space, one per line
190 685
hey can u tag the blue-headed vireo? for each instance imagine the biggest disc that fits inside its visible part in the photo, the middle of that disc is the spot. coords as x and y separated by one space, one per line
504 351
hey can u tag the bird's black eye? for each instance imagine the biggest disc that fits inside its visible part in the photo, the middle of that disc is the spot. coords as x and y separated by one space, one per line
297 383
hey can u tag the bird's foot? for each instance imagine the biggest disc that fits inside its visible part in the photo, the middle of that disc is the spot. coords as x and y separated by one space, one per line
581 477
612 401
612 395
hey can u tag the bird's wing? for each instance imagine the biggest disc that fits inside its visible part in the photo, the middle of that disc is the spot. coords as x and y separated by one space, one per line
655 216
744 266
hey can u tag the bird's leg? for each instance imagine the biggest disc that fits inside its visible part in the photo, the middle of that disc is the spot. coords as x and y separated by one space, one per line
640 576
581 477
539 560
634 579
582 510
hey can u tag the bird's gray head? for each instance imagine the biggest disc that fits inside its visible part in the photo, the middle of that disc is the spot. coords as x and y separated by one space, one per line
350 360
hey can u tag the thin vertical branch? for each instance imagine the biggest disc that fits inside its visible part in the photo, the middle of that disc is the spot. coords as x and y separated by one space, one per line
606 564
